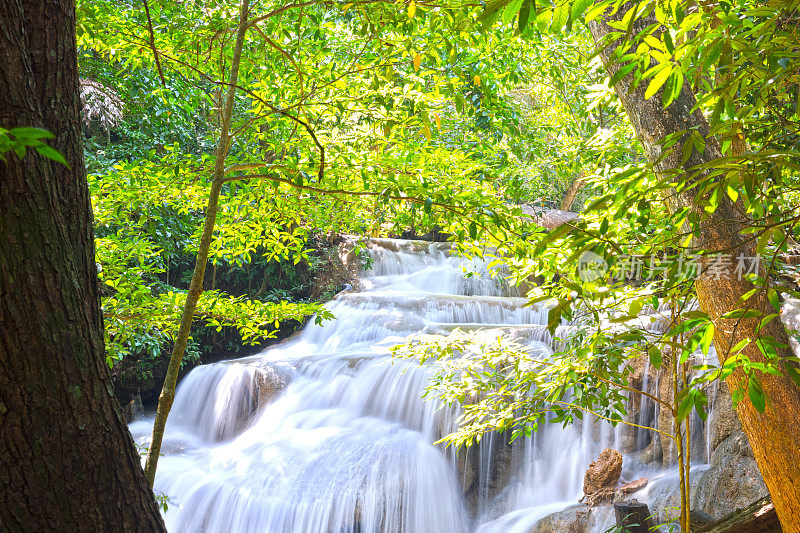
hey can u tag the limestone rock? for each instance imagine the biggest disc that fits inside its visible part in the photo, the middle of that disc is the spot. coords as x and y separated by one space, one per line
600 480
652 454
574 519
486 477
270 381
664 422
548 218
724 421
732 481
790 316
631 487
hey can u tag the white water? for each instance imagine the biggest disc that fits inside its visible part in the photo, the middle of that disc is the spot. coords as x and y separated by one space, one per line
346 447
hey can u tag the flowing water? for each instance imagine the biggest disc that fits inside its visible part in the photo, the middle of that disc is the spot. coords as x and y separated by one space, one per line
346 446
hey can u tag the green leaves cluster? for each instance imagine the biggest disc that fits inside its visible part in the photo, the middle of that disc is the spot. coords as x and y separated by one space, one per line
18 140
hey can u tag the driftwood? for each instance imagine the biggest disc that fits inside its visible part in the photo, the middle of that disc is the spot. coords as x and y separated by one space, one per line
758 517
634 516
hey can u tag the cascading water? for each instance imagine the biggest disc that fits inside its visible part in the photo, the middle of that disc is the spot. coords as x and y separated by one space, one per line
328 433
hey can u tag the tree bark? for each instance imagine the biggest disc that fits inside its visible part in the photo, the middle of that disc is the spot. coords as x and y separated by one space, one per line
67 460
774 435
634 516
572 192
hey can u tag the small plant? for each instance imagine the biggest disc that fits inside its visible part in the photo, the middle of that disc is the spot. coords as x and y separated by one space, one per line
163 500
360 249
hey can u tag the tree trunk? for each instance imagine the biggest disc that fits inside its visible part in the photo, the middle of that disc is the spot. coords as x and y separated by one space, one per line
572 192
167 395
635 517
774 435
67 460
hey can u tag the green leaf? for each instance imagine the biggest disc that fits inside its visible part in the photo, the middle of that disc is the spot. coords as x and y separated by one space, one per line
684 408
733 194
560 16
774 299
668 42
511 11
708 338
524 15
31 133
51 153
655 356
579 6
756 394
791 371
657 81
491 13
621 73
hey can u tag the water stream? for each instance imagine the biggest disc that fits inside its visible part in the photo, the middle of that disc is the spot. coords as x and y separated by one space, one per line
346 446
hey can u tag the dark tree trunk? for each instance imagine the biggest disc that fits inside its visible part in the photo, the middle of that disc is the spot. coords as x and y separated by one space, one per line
635 517
774 435
67 461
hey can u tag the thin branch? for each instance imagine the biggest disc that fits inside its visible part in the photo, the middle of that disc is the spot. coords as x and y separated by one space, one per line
153 43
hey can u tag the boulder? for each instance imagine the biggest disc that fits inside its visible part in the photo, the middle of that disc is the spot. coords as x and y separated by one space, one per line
633 516
574 519
483 478
652 454
733 481
548 218
758 517
270 381
600 480
631 487
724 421
730 482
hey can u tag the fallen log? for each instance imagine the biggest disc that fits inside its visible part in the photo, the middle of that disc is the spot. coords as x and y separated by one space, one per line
758 517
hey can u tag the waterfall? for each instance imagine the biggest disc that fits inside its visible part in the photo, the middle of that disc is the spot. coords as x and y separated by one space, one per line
328 433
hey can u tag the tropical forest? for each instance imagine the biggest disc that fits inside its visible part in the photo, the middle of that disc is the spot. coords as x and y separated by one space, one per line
400 266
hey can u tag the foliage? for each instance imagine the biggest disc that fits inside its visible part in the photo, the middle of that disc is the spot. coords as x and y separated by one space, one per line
145 222
18 140
377 117
737 60
423 96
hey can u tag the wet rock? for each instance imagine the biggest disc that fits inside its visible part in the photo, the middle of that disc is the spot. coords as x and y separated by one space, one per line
731 481
758 517
548 218
652 454
270 381
724 421
485 469
698 518
574 519
134 410
631 487
633 516
600 480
